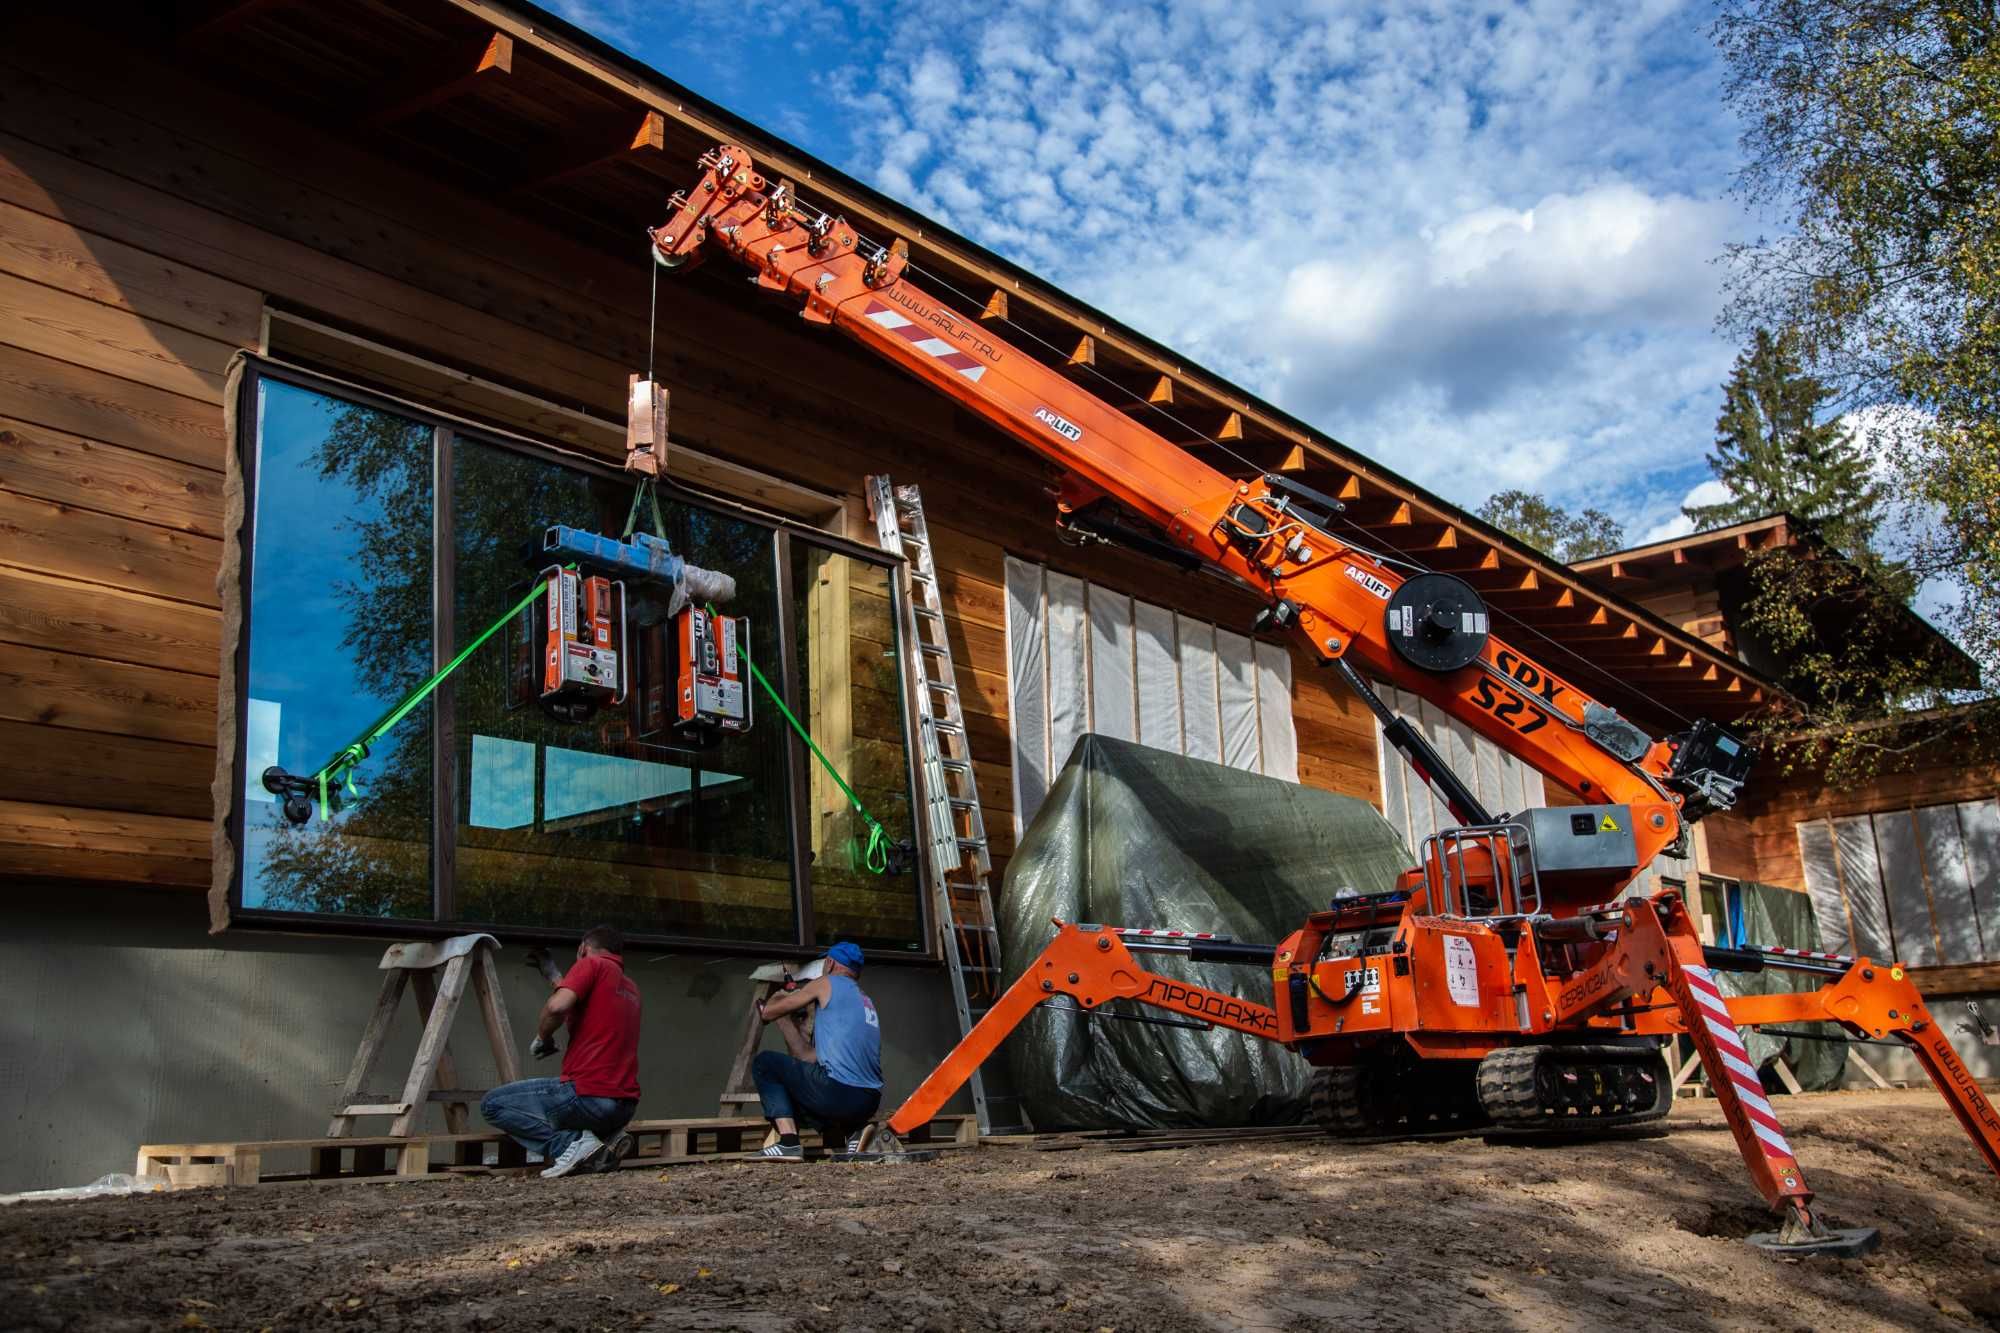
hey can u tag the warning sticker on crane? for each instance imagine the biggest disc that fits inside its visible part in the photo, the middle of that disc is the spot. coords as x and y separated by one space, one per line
1461 971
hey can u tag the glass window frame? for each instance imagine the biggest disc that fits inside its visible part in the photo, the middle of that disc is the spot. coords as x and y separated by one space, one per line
446 431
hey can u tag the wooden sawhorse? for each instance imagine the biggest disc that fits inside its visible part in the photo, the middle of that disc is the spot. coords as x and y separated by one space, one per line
439 972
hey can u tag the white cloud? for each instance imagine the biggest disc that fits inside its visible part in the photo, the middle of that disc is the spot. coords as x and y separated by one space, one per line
1710 492
1470 239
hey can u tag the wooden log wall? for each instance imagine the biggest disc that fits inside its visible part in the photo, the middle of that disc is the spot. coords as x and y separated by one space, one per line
1761 841
147 221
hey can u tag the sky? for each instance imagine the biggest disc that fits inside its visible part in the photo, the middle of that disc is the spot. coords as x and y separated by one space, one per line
1477 242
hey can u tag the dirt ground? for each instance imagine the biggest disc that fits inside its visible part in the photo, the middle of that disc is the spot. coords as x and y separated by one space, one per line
1292 1234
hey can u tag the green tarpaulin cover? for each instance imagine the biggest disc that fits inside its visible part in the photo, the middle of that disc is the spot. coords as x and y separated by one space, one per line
1132 836
1782 919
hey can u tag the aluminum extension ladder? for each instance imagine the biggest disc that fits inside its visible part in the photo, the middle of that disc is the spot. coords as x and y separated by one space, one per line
960 863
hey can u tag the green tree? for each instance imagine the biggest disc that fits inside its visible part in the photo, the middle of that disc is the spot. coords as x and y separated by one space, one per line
1552 529
1776 455
1872 131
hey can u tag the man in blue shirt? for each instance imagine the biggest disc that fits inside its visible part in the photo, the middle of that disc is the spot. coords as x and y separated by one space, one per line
834 1080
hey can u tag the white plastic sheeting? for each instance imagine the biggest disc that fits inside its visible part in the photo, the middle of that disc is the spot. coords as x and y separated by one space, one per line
1979 829
1822 871
1156 656
1919 886
1028 709
1236 691
1276 740
1904 888
1114 703
1085 659
1201 720
1501 781
1941 842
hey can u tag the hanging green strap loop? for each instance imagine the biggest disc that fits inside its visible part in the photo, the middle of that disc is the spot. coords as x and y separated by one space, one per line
875 856
348 757
645 490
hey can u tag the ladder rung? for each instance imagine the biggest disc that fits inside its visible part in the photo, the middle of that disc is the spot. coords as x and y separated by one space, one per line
949 728
972 844
927 611
934 649
955 765
962 803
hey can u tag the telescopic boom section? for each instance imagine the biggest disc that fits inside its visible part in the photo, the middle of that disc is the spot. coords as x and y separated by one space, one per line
1335 596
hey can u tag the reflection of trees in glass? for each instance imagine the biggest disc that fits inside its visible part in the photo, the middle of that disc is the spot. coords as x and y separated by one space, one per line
615 862
373 861
724 848
844 627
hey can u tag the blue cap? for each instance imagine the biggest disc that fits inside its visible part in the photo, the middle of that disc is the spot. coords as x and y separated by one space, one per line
847 954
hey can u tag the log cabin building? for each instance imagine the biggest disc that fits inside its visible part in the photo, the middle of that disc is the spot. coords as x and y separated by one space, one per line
309 314
1904 865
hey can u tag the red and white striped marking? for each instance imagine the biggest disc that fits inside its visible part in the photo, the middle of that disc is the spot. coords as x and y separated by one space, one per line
1805 953
1148 932
1736 1062
922 339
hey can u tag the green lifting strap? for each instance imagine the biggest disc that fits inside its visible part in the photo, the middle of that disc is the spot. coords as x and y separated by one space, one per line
645 490
876 855
341 767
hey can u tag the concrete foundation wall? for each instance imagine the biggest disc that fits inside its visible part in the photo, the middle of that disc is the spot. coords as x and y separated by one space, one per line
123 1021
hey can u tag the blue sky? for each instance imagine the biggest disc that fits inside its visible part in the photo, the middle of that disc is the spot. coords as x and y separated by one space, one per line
1476 241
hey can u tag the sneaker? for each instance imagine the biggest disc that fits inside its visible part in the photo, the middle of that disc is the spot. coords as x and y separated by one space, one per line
582 1150
784 1152
615 1153
856 1138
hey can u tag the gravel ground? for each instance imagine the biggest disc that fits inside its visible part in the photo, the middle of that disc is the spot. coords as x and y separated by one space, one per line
1293 1234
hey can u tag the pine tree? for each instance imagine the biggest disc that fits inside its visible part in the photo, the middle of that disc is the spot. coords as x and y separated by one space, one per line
1776 456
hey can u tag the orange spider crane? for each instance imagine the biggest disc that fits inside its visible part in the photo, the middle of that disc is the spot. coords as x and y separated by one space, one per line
1498 981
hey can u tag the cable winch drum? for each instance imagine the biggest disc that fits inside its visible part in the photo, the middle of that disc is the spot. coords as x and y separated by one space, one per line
1437 622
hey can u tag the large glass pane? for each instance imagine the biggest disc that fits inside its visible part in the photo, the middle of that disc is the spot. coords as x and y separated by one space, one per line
340 627
618 818
844 628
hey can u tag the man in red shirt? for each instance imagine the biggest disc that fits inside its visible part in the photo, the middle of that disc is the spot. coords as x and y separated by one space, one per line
576 1122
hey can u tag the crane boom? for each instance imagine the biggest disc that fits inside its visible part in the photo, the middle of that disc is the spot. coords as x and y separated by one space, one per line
1544 1010
1341 600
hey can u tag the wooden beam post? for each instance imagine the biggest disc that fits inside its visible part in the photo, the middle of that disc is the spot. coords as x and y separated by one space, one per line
598 142
437 77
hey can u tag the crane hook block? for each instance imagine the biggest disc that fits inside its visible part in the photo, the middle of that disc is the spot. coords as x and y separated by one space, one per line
1437 622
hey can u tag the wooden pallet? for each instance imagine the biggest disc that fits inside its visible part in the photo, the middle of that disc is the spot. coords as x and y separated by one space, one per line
658 1143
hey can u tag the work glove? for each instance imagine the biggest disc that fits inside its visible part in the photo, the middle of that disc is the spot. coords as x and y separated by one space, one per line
542 1047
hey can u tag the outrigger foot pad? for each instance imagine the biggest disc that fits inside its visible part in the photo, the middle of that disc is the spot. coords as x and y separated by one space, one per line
1830 1243
885 1146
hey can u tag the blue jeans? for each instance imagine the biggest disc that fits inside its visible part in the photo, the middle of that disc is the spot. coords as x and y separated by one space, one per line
798 1090
545 1115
